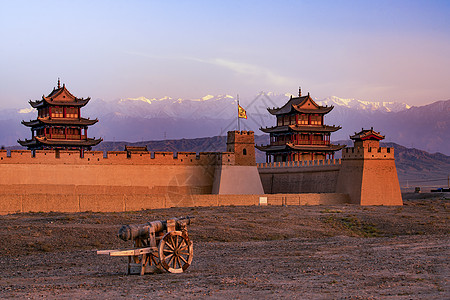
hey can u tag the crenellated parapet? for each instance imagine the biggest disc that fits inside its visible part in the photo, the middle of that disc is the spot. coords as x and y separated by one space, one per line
76 157
297 164
368 153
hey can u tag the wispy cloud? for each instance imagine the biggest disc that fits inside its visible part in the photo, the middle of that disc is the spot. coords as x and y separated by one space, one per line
254 72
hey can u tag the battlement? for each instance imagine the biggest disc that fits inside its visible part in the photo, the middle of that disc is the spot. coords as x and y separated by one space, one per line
368 153
115 157
242 144
297 164
238 137
242 132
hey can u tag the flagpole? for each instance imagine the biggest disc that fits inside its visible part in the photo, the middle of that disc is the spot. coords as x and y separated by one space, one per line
239 123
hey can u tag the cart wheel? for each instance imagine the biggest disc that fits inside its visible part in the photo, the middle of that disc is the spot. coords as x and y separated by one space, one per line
176 251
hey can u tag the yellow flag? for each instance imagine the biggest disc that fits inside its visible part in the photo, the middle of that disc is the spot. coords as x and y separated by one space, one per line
241 112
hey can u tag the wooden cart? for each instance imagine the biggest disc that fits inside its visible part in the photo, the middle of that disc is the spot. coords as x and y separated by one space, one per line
158 246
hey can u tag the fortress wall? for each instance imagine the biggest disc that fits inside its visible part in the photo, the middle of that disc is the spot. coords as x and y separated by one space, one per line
368 153
115 157
239 179
380 173
308 199
350 179
295 164
300 177
120 202
369 176
151 176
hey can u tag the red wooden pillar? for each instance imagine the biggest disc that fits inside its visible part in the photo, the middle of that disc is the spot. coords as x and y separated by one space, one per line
65 128
64 112
309 119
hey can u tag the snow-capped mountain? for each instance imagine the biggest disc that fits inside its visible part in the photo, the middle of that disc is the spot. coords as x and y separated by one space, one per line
219 106
364 105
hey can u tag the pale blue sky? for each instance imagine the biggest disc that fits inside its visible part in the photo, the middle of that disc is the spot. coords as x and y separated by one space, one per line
370 50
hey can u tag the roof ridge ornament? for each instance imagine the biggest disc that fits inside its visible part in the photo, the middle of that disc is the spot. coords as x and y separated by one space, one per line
299 91
59 84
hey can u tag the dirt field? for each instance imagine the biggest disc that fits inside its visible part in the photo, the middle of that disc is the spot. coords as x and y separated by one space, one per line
307 252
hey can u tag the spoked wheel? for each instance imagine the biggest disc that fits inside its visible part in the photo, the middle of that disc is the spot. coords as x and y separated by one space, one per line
176 251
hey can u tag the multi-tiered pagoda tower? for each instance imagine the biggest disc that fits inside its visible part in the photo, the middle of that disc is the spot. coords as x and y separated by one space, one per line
59 124
300 133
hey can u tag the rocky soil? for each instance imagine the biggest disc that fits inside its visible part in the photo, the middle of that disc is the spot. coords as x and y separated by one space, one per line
306 252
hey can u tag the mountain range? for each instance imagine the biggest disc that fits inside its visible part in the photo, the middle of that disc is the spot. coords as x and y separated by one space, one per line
137 119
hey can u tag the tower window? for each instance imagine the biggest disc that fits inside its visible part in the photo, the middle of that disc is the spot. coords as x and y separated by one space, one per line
244 151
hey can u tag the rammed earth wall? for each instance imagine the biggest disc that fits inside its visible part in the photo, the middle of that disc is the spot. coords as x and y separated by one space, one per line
120 181
117 181
317 176
126 201
367 175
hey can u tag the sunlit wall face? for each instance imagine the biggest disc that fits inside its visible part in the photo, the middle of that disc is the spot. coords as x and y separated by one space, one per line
371 50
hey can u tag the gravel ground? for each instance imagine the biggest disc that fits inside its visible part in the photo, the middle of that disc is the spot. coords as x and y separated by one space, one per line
307 252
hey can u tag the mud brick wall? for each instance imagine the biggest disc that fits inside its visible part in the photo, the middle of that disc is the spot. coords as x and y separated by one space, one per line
369 176
311 177
102 202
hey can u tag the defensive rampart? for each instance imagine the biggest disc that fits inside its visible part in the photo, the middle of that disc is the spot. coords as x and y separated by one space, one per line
115 157
70 181
81 201
152 173
316 176
368 175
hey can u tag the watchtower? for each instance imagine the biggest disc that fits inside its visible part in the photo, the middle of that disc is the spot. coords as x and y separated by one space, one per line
242 143
59 125
368 174
242 177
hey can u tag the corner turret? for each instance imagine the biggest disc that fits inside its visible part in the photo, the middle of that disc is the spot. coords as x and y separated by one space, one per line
368 174
368 138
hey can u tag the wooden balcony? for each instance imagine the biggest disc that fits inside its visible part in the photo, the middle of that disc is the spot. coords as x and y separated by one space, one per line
307 142
68 137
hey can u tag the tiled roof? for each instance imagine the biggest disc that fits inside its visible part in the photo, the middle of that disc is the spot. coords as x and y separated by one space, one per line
366 134
60 121
305 148
301 128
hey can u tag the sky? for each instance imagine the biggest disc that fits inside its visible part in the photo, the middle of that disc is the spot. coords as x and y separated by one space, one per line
369 50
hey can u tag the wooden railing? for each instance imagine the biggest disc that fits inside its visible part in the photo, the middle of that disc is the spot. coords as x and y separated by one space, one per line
307 142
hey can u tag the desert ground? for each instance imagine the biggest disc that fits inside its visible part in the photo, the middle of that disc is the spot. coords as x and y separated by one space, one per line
294 252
